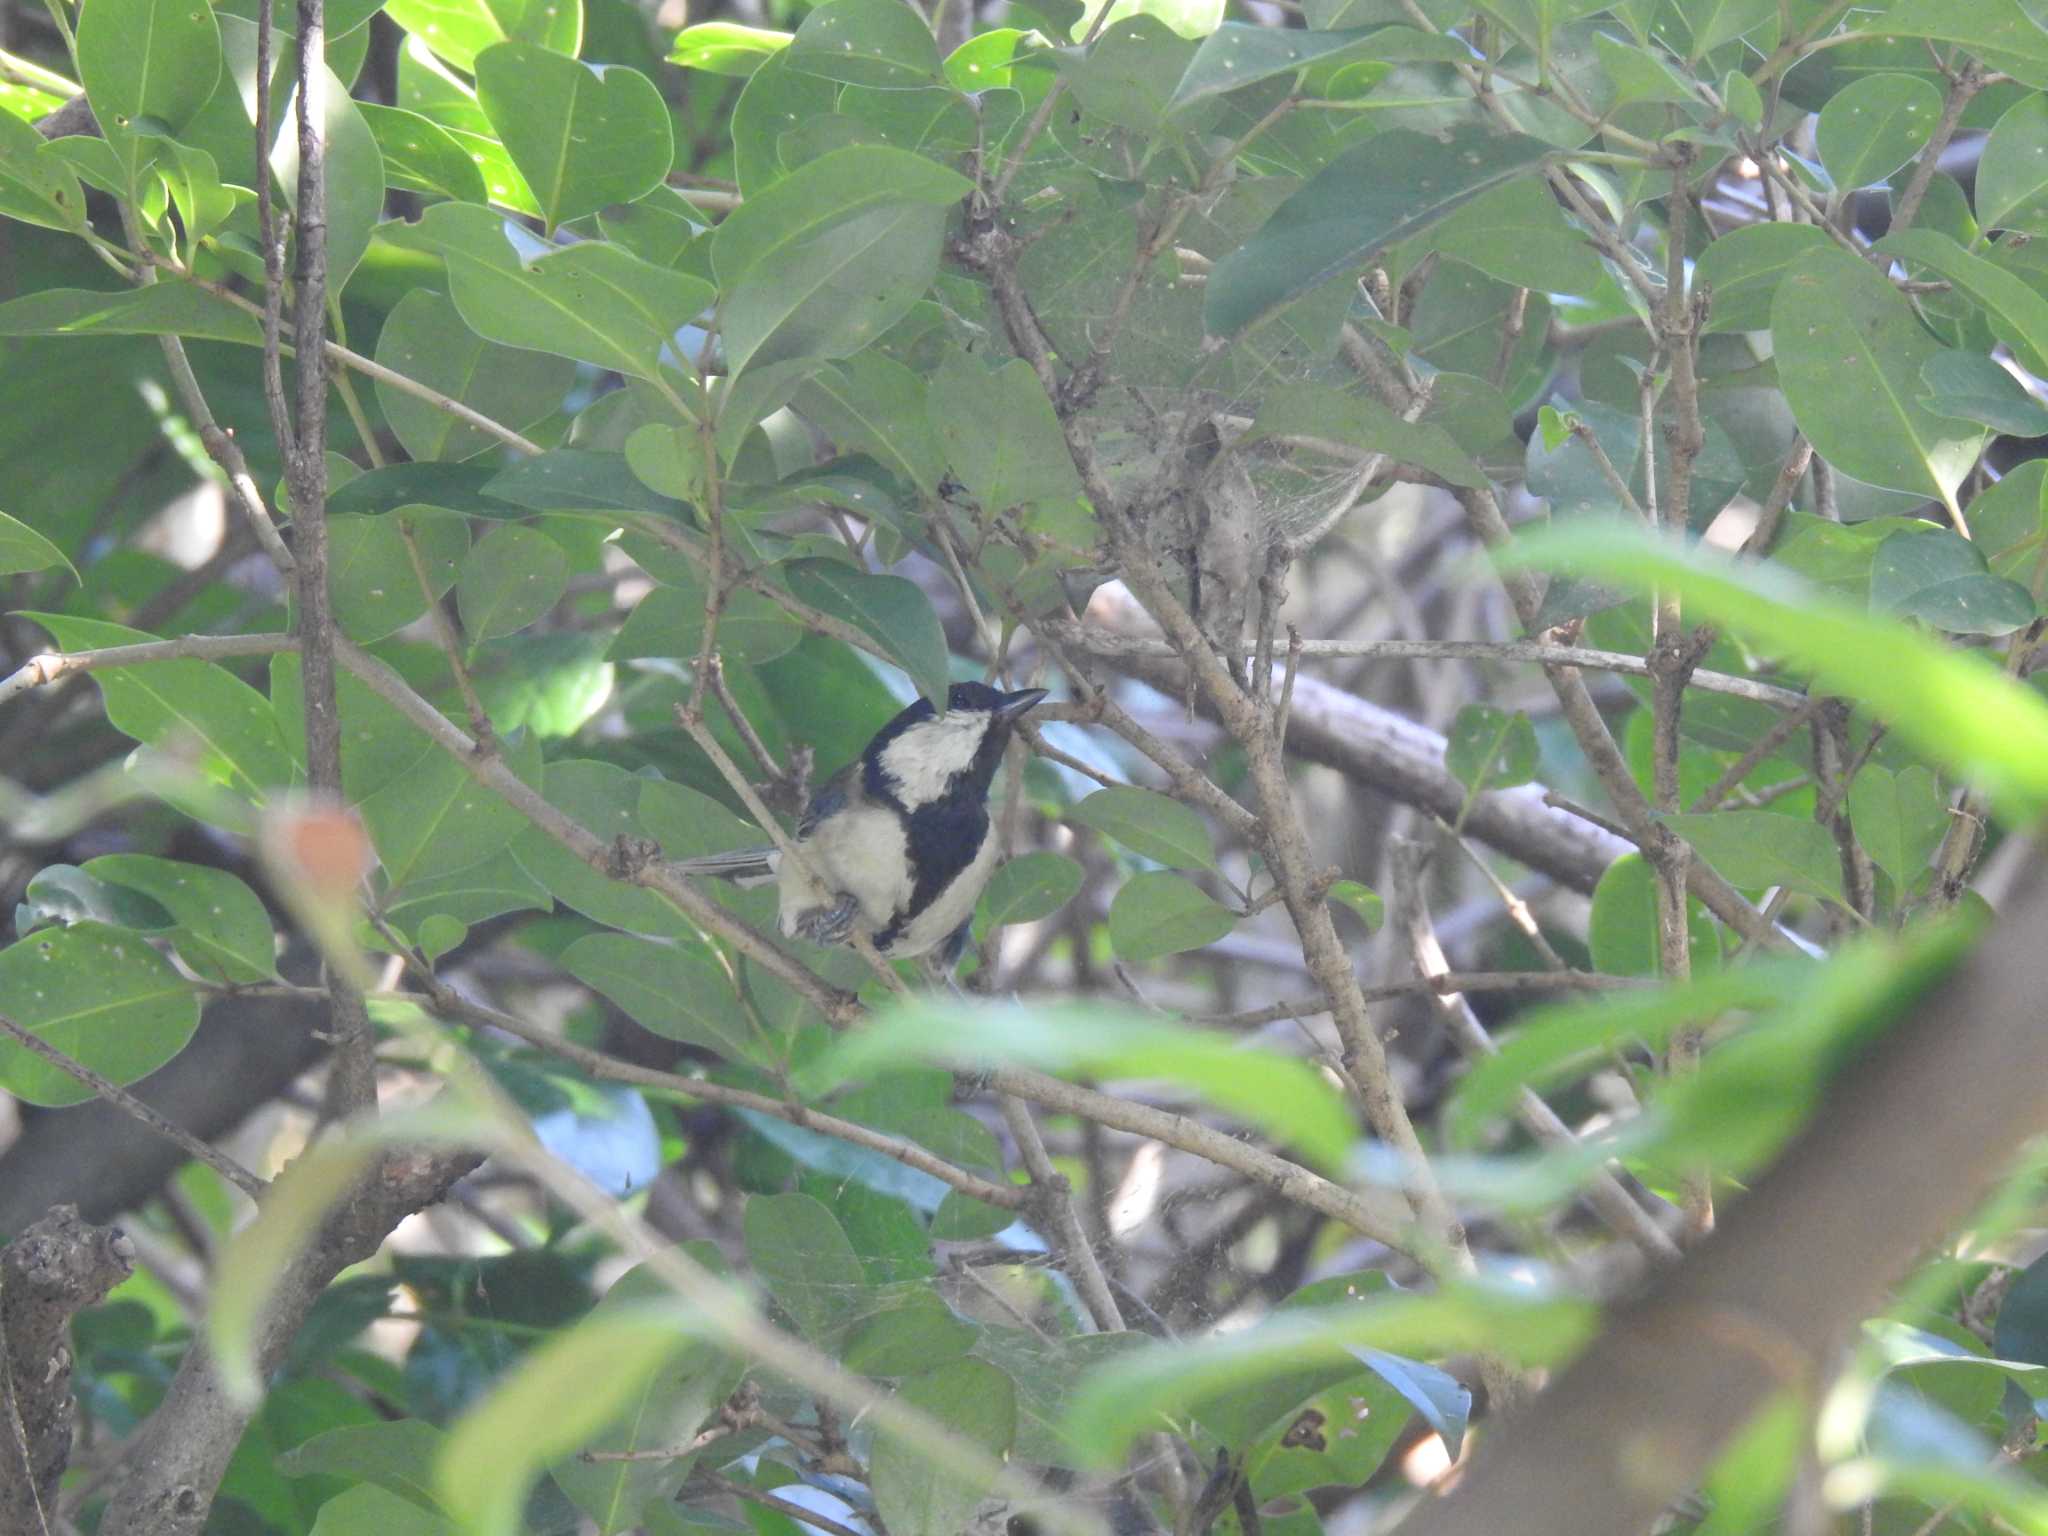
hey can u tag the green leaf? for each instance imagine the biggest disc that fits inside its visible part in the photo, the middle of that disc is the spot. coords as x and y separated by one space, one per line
511 578
1874 126
797 1247
1239 53
1742 270
591 301
549 1405
154 59
1339 1436
178 703
459 30
726 47
1516 232
1029 887
831 256
606 800
583 135
1394 185
1315 410
913 1331
368 1510
64 893
1150 824
1127 75
668 459
2018 315
1941 578
669 623
375 585
1281 1095
379 745
574 480
221 926
1027 460
35 187
434 818
1899 818
1849 353
23 549
679 991
355 178
1160 914
919 1496
1363 901
171 307
1621 927
876 405
890 610
1489 748
1755 849
397 1456
1956 709
2012 172
1996 29
468 896
876 43
1971 387
425 339
103 997
422 156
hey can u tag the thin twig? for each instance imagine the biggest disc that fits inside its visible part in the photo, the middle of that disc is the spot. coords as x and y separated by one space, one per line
1056 1199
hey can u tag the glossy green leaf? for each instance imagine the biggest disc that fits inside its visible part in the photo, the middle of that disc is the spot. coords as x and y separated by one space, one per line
1942 578
668 459
103 997
512 577
797 1247
1158 914
876 405
1849 354
1517 233
422 156
726 47
375 585
1319 411
379 745
1028 460
574 480
1029 887
920 1496
1971 387
1874 126
669 622
1489 748
606 800
875 43
171 307
1899 818
459 30
182 703
1957 709
2012 172
1238 54
34 187
23 549
1363 901
503 184
890 610
832 255
397 1456
154 59
678 991
221 927
1394 185
368 1510
550 1403
425 339
1996 29
2018 315
1621 925
355 178
582 135
1281 1095
435 818
1742 270
1150 824
590 301
914 1330
65 893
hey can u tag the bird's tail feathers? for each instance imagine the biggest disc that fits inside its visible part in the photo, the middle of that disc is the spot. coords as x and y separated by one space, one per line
745 866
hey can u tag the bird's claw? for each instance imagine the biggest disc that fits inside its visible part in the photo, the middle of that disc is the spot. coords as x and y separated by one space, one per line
828 925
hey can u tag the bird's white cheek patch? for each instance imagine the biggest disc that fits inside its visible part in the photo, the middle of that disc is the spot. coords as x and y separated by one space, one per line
923 760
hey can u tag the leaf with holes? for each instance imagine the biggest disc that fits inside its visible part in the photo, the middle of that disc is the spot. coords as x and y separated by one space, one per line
1489 748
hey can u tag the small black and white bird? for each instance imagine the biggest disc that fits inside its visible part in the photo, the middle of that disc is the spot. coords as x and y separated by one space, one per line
899 839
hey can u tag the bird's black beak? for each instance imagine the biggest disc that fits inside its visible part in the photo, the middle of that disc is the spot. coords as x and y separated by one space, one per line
1013 705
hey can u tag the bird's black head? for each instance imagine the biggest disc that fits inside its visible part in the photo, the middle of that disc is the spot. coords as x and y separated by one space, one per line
922 756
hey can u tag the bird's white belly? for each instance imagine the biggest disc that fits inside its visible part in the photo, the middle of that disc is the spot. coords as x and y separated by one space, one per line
863 853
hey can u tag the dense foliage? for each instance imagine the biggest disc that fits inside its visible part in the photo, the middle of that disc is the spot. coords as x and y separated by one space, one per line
1562 465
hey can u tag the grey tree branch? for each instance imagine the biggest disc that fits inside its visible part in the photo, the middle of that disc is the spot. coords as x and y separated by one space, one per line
55 1269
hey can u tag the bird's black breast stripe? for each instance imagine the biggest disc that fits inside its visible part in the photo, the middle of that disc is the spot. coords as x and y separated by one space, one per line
944 839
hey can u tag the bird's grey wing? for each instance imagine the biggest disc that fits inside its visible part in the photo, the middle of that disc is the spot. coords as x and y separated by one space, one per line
744 865
830 798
